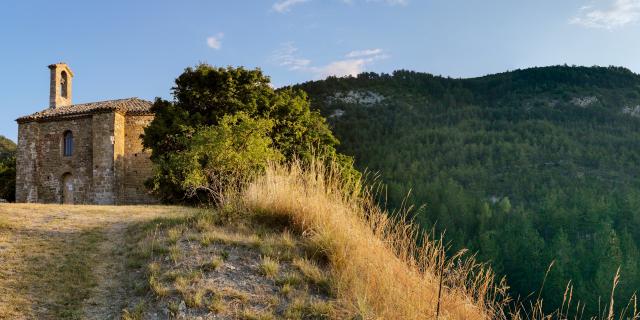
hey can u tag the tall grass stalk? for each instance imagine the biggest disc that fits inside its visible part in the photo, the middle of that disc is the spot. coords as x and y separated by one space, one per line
378 269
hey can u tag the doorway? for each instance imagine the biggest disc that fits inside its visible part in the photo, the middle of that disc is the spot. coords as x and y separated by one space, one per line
67 188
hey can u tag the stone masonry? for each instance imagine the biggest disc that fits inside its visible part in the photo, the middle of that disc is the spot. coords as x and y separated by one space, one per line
107 164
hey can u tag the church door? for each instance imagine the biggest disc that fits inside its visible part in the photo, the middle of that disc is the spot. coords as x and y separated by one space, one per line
67 189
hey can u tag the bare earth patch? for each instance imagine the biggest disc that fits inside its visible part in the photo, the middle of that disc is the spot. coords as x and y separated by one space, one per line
68 262
207 269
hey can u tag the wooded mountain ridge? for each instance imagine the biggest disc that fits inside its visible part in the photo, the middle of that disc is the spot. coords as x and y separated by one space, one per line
524 167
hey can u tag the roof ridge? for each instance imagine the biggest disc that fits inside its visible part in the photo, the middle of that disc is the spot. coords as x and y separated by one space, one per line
133 105
103 101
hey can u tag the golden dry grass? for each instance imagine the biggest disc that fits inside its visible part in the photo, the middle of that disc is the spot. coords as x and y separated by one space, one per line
378 271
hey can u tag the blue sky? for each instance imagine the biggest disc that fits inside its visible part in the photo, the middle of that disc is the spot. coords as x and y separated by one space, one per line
123 48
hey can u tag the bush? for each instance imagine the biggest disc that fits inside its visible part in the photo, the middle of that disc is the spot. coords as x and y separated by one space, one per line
8 179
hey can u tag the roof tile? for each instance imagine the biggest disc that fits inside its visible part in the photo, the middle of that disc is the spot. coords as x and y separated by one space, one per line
127 106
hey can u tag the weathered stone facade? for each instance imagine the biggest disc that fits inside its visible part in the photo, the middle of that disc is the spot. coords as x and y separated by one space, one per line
105 163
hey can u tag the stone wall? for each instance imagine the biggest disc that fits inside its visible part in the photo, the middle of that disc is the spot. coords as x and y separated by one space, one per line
104 179
138 166
26 157
108 164
41 162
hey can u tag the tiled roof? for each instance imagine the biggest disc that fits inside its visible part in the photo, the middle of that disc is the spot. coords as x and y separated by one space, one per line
127 106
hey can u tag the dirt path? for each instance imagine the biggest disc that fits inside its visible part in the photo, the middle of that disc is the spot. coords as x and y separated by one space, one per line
67 262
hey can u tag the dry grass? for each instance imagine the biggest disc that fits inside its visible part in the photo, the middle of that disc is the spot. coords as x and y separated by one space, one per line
269 267
312 272
377 269
309 309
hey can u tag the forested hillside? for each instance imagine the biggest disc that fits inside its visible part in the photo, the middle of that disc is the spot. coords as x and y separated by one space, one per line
525 167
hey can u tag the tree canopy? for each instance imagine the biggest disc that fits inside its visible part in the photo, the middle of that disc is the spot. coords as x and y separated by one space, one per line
212 111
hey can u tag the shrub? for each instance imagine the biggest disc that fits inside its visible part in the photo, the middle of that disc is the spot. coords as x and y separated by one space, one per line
8 179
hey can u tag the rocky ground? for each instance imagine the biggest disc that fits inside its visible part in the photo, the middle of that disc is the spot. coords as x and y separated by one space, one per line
204 270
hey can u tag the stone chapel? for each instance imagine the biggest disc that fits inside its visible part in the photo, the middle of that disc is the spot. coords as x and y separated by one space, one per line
89 153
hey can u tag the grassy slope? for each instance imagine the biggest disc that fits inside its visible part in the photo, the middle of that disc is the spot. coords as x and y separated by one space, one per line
292 245
310 251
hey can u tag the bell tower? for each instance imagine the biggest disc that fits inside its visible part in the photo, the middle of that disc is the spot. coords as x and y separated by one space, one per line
60 85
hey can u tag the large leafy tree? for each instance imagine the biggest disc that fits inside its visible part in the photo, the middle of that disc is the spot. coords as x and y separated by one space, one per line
203 97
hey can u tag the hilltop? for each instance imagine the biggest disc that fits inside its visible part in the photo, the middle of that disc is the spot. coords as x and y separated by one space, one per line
526 167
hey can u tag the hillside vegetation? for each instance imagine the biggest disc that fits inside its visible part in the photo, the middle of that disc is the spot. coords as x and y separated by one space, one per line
301 247
527 167
7 169
291 245
7 147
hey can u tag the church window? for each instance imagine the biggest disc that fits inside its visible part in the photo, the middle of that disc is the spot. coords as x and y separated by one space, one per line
68 144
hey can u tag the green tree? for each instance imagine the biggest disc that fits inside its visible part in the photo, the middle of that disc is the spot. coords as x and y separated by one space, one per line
225 155
204 95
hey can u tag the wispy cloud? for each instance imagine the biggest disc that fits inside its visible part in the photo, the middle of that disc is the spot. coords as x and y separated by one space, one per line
215 42
363 53
351 64
285 5
619 14
286 57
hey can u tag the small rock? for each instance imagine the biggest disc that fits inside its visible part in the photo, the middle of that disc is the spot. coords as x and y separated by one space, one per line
182 310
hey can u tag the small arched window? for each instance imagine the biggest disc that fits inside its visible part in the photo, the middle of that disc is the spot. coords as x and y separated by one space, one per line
68 144
63 84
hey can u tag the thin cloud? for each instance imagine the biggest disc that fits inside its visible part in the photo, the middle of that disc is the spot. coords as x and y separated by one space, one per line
619 14
388 2
352 64
392 2
286 57
364 53
285 5
215 42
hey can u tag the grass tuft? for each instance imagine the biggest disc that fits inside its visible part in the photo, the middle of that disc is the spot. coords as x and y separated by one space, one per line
269 267
159 289
248 314
174 234
312 273
215 263
306 309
